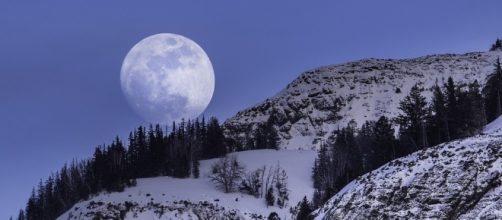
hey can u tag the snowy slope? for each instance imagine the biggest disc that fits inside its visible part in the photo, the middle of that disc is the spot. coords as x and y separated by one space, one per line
456 180
323 99
188 198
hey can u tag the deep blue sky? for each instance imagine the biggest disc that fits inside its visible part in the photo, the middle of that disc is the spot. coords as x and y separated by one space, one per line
60 93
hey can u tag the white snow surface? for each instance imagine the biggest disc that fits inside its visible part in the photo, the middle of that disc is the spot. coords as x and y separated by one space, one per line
494 128
169 194
460 179
323 99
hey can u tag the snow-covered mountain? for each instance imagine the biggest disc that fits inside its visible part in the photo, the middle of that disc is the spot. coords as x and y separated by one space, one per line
456 180
190 198
321 100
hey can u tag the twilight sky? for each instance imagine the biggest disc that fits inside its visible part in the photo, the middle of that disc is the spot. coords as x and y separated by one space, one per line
60 61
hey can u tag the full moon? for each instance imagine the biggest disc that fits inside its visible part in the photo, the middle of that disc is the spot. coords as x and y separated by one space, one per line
166 77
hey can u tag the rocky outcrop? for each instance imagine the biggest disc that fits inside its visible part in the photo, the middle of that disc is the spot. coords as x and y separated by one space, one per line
321 100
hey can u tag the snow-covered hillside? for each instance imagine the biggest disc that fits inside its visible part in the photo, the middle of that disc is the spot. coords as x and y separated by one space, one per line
326 98
462 176
456 180
171 198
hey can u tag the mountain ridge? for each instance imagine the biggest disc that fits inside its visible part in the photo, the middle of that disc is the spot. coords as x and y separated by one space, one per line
323 99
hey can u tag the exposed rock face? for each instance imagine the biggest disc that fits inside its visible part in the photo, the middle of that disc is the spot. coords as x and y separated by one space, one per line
321 100
456 180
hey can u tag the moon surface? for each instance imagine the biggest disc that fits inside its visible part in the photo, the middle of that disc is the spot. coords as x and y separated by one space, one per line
166 77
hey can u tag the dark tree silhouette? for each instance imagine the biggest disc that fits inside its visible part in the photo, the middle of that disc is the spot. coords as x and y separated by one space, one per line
497 45
413 116
304 209
150 152
493 93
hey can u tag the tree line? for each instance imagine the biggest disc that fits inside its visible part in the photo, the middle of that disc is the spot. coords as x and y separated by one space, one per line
455 111
349 153
150 152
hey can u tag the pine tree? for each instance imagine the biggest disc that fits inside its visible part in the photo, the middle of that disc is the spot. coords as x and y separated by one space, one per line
478 107
215 141
273 216
269 197
260 138
265 135
41 201
497 45
412 118
471 119
21 215
271 136
365 141
49 209
346 162
321 173
492 93
31 206
304 209
439 120
383 142
452 109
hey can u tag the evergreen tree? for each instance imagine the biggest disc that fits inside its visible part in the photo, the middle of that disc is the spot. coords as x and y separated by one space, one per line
477 107
215 143
452 109
497 45
260 139
31 207
321 173
269 197
304 209
273 216
271 136
471 118
412 118
492 93
50 209
440 131
21 215
383 142
347 163
265 135
335 168
365 141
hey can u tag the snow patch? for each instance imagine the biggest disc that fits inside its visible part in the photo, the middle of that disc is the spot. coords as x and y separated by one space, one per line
171 193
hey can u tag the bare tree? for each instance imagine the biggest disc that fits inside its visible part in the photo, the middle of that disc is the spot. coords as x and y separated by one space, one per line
281 185
252 183
226 173
269 180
